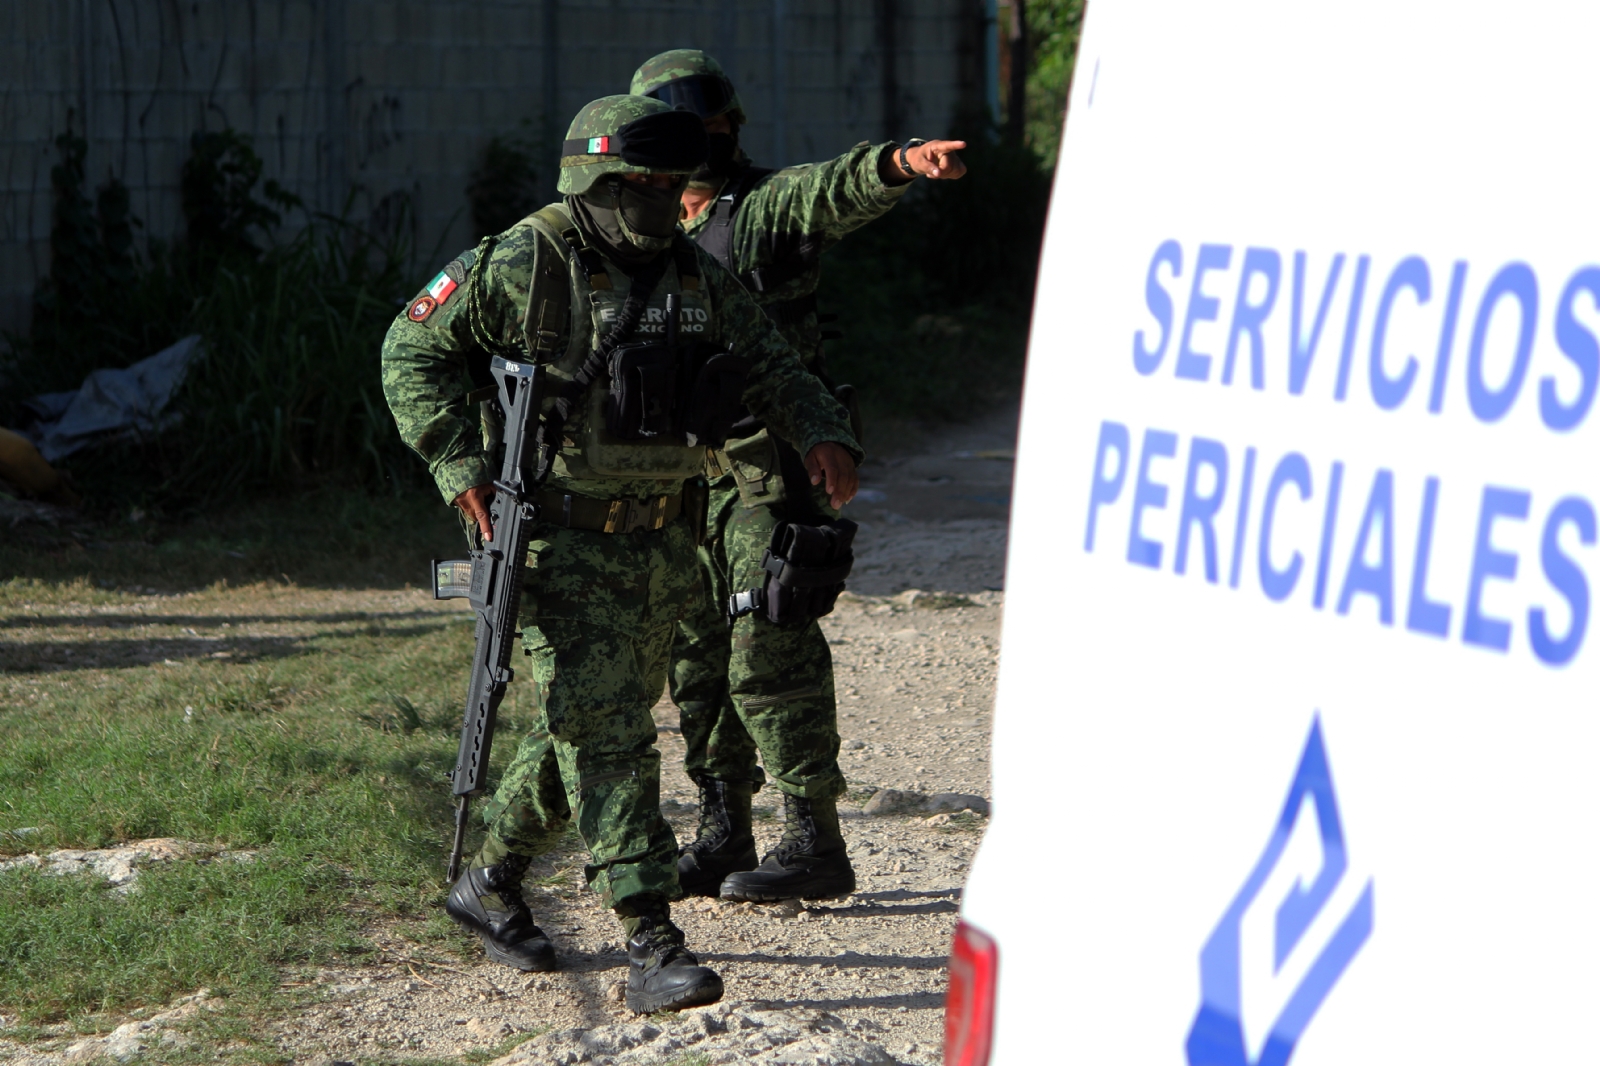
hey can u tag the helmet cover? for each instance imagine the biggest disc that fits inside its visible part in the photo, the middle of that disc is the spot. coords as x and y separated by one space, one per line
629 135
690 79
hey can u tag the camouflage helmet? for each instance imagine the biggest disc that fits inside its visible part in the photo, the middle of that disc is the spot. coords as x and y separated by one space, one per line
629 135
688 77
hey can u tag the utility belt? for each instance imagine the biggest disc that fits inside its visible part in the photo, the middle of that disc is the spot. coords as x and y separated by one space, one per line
806 567
608 516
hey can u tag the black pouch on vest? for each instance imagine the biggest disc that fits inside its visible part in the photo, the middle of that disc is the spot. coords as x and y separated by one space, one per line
643 393
716 398
806 567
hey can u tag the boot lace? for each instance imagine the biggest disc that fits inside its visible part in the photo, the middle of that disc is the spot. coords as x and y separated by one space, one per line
798 832
665 941
505 879
714 824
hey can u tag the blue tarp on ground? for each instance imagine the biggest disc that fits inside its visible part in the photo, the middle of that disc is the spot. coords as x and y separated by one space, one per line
112 404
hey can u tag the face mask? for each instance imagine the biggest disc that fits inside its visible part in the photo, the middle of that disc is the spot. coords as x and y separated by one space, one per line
634 221
649 216
720 163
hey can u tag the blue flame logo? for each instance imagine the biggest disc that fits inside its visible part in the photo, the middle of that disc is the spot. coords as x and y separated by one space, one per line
1257 1021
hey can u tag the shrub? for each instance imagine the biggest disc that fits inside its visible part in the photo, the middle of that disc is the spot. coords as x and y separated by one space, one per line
934 298
288 389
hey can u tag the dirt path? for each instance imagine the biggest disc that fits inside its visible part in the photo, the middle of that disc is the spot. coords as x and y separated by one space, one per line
854 981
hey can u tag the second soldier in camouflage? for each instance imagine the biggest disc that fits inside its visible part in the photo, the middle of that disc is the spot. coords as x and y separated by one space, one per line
756 687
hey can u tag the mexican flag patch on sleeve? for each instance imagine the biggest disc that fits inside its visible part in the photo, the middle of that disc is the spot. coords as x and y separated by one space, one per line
441 287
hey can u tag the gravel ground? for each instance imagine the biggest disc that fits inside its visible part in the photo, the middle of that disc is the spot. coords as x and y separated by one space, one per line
851 981
916 684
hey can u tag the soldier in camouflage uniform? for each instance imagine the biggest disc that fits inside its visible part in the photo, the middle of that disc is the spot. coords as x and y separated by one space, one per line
611 566
759 686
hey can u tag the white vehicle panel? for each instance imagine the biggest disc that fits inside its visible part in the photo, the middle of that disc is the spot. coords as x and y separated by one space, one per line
1433 645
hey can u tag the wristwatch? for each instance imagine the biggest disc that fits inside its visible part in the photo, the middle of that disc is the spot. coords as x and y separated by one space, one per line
905 164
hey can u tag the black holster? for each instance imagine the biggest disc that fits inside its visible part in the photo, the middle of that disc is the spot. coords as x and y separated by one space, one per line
806 568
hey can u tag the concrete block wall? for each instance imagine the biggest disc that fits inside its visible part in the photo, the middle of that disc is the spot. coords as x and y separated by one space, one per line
361 101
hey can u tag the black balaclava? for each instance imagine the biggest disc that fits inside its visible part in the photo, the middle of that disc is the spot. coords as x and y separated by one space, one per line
632 223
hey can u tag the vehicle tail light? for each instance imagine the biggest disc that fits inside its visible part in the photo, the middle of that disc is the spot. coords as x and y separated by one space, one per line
969 1000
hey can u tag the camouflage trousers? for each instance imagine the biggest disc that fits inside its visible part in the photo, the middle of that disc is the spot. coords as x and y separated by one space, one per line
754 687
598 618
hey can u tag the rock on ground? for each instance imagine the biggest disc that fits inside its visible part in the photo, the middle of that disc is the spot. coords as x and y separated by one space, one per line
126 1042
120 865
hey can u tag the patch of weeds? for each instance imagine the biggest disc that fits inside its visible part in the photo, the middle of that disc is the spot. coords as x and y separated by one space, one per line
252 690
688 1058
951 269
562 878
859 794
285 392
965 822
225 1035
764 814
504 1047
940 601
404 719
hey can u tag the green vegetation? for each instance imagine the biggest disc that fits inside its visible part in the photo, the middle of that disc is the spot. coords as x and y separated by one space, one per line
504 186
1052 35
288 394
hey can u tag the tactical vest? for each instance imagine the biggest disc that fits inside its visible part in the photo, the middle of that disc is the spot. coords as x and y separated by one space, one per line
716 238
594 293
766 470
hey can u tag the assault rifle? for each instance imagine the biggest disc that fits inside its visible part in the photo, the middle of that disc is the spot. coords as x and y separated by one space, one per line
492 581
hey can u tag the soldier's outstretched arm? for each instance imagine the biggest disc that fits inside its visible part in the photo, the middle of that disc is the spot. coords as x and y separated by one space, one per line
823 202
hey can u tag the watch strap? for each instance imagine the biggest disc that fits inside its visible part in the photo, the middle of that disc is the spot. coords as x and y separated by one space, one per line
905 163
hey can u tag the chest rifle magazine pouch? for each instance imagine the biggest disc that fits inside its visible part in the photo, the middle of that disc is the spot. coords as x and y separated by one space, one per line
716 398
642 396
806 567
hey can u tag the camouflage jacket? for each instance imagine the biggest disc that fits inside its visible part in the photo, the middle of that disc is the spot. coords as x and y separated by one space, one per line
426 354
811 206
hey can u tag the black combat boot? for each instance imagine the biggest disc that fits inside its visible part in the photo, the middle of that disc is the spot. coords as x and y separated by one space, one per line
726 843
662 974
488 901
809 862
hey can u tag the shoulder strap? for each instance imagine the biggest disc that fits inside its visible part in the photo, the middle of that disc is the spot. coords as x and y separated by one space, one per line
557 220
688 264
716 236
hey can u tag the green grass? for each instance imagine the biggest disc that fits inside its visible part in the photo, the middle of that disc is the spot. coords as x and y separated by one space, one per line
327 758
349 819
330 538
475 1056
